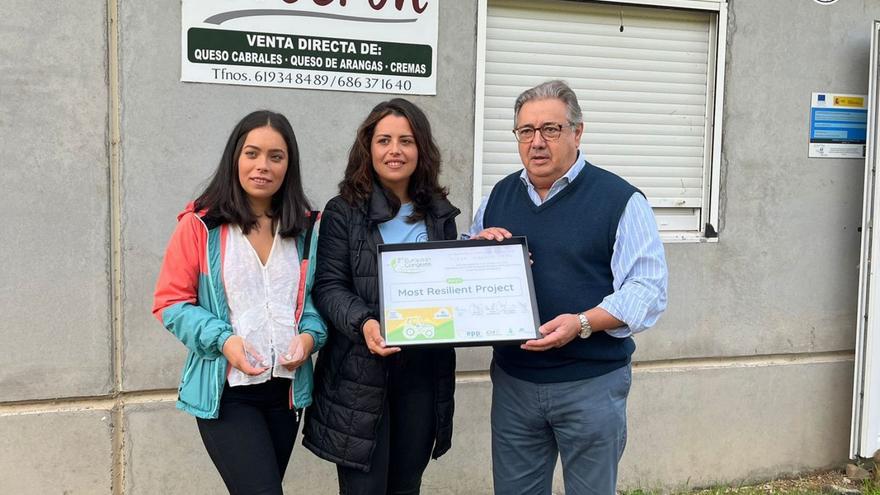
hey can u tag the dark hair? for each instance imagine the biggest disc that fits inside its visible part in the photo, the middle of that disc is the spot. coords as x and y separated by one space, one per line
225 199
360 178
549 90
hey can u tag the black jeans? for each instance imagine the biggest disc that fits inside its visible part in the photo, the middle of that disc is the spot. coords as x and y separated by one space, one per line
251 441
406 432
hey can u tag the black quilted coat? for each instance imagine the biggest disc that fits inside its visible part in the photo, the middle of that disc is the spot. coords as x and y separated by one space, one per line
350 383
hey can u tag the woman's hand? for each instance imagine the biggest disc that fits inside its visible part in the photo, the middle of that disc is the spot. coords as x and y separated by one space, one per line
493 234
298 351
375 342
236 354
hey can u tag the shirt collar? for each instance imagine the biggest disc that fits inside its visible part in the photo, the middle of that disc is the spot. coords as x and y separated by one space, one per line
566 179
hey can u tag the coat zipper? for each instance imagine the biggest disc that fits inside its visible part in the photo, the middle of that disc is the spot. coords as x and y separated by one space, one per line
360 246
304 255
213 291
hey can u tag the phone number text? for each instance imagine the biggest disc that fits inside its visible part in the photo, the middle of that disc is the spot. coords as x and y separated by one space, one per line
314 80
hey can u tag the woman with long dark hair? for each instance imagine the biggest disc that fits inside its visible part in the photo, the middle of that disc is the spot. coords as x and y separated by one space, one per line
379 413
235 289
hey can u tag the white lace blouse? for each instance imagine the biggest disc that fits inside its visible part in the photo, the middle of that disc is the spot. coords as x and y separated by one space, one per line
262 303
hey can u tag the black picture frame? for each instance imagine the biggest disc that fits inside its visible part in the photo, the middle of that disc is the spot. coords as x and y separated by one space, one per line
415 247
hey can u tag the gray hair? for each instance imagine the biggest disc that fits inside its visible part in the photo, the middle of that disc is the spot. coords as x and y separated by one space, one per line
555 89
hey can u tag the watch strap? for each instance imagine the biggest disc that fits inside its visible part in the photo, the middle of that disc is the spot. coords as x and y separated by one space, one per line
586 329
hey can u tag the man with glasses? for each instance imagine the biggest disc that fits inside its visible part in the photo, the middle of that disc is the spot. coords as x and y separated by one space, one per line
600 276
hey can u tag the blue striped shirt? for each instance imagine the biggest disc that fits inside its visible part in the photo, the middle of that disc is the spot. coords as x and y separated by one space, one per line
638 263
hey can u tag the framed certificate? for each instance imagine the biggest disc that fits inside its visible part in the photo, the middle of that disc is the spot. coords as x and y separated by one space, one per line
459 293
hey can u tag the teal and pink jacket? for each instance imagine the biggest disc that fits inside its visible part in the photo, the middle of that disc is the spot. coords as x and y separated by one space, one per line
190 300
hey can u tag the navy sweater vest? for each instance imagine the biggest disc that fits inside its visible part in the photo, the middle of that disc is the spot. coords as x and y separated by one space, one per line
571 238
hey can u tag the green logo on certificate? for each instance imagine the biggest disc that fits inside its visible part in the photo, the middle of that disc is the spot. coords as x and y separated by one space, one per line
409 264
419 324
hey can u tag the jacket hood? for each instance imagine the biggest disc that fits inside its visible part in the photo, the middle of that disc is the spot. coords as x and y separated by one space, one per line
190 208
442 208
378 209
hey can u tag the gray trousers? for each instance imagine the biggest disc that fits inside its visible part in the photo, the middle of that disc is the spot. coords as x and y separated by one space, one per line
583 422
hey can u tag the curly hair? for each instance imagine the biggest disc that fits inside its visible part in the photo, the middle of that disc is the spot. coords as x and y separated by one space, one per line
360 178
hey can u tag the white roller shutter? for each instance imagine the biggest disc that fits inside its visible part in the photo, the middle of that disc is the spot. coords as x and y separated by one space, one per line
644 92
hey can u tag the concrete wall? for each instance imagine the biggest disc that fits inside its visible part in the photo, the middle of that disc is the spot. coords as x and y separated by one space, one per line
747 376
55 201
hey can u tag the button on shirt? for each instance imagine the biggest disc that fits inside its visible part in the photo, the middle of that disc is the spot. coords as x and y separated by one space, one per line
262 302
638 263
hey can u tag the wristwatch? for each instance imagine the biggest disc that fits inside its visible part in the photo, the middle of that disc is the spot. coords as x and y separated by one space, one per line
586 329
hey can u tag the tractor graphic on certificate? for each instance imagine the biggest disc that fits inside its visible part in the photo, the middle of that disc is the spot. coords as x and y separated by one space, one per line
414 327
406 325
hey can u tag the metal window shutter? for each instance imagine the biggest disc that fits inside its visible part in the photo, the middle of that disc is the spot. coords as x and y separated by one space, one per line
643 92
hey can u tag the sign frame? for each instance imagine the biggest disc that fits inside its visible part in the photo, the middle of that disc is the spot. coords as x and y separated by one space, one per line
477 246
386 47
838 124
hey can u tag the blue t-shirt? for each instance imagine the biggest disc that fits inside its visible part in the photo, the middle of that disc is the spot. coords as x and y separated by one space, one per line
397 230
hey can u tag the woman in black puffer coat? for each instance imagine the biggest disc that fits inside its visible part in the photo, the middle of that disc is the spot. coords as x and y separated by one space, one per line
378 412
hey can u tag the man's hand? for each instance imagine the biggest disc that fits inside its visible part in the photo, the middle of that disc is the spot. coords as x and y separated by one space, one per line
235 353
556 333
298 351
498 234
493 234
374 340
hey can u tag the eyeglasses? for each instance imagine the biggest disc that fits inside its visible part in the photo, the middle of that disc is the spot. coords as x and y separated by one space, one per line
549 131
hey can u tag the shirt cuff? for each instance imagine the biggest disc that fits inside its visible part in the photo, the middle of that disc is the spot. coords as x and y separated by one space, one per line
620 332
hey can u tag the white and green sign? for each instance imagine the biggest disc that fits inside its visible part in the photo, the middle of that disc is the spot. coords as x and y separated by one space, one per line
378 46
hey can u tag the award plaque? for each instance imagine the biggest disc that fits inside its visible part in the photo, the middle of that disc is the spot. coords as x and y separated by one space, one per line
457 293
